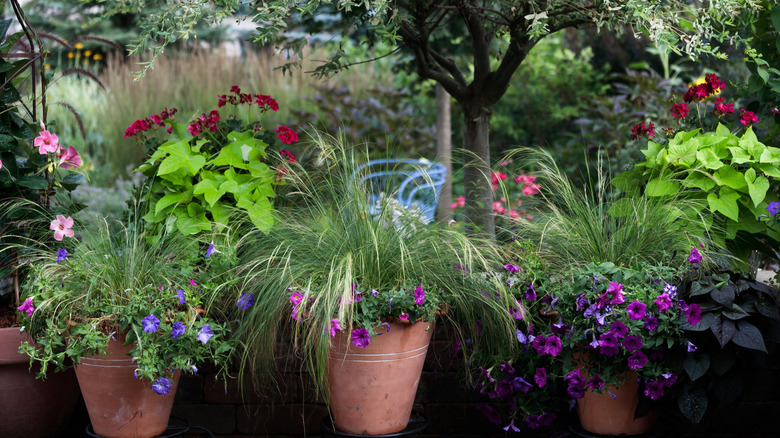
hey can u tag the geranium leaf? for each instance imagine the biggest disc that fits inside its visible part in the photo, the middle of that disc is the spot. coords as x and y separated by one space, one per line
749 336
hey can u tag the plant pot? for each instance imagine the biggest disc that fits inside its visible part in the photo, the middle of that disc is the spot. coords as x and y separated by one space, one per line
603 415
31 408
120 405
372 389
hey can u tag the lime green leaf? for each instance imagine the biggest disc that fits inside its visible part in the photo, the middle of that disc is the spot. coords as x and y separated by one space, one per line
194 209
168 200
261 170
220 213
726 203
259 213
709 159
750 143
770 155
191 225
229 187
210 192
683 154
770 169
739 155
728 176
722 130
652 152
701 180
757 189
181 157
629 181
662 186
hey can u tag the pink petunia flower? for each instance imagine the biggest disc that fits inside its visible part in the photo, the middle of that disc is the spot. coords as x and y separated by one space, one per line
69 158
27 307
62 227
46 142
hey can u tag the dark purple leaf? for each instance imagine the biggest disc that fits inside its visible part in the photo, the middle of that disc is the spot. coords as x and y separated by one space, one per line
706 322
728 388
724 330
693 404
725 296
696 365
749 336
735 313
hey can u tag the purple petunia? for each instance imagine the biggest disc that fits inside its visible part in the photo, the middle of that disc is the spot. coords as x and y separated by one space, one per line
419 295
521 337
162 386
540 377
205 334
507 368
511 268
694 258
537 421
552 345
150 323
671 290
773 208
667 379
178 329
374 292
211 250
693 313
245 301
619 329
522 385
608 344
577 385
637 360
530 293
636 310
360 338
654 390
691 347
335 327
582 303
511 426
616 290
492 415
62 254
663 302
651 323
180 295
596 382
632 343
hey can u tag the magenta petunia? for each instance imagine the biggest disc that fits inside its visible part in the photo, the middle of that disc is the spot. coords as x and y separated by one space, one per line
632 343
335 327
694 258
637 310
616 290
296 298
619 329
637 360
552 345
27 307
360 338
651 323
540 377
663 302
693 313
419 295
511 268
654 390
608 344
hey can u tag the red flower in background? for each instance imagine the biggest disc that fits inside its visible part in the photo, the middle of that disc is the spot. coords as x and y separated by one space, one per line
286 135
679 110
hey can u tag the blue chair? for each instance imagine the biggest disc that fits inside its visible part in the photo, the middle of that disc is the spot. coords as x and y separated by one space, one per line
409 181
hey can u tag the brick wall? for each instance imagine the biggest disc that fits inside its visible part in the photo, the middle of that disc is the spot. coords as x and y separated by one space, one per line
291 408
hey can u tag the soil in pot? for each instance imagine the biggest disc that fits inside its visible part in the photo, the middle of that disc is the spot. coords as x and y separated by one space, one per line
120 405
372 389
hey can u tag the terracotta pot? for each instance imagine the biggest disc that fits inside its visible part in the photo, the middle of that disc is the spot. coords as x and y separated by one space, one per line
372 389
31 408
119 405
603 415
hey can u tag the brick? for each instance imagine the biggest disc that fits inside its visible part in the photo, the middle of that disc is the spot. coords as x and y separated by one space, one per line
240 391
219 419
190 389
290 419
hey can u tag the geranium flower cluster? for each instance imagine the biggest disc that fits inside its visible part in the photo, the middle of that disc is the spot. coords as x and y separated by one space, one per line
502 206
698 94
236 97
147 123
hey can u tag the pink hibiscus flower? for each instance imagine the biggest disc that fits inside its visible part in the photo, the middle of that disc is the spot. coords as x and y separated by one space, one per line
62 227
46 142
69 158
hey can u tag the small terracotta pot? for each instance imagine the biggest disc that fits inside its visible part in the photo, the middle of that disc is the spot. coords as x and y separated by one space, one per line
31 408
372 389
120 405
603 415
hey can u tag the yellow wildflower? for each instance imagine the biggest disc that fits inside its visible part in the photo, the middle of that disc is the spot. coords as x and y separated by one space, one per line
79 46
97 57
87 52
70 55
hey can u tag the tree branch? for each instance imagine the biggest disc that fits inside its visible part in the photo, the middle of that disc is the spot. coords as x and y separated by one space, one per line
424 63
480 46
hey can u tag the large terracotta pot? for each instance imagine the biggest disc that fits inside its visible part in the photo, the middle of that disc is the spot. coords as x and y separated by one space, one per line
603 415
372 389
119 405
31 408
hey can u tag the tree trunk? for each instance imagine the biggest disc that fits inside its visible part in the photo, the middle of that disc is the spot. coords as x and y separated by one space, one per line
476 170
444 151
